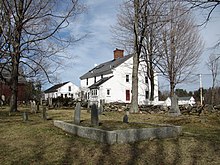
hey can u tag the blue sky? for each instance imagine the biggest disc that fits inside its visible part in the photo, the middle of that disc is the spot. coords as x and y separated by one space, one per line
98 46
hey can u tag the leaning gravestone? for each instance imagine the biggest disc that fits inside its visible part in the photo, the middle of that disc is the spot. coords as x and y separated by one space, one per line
174 109
94 115
77 113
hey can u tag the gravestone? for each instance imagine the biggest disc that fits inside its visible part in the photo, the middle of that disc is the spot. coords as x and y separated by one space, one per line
125 118
50 102
100 109
94 115
77 113
38 107
2 99
44 113
34 106
31 104
88 105
174 109
25 116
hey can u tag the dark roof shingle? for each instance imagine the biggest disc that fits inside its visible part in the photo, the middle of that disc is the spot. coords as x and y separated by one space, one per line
55 87
105 68
100 82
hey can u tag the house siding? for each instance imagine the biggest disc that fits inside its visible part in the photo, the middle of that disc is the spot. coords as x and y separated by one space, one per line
117 85
64 90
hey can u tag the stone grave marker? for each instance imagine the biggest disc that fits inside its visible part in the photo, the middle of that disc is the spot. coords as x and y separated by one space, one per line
50 101
100 109
77 113
125 118
44 113
38 107
174 109
34 106
25 116
31 104
94 115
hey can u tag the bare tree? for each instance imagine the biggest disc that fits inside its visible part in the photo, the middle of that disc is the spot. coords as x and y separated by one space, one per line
208 5
31 32
213 65
181 46
137 30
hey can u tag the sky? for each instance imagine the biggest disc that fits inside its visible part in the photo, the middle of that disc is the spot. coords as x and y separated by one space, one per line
98 46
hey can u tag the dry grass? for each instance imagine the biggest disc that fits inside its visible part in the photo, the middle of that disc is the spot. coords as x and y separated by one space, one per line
39 142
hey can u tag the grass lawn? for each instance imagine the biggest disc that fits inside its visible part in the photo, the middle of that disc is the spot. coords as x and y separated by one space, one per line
38 142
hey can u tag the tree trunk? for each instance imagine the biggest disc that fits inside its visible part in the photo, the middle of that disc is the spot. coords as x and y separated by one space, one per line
212 96
151 82
16 57
134 98
14 88
172 87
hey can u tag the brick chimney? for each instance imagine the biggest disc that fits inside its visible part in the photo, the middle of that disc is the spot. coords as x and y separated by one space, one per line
118 53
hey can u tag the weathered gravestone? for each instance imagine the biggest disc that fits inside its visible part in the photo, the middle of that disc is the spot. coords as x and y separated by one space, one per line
94 115
50 101
125 118
25 116
174 109
77 113
38 107
44 113
101 108
33 106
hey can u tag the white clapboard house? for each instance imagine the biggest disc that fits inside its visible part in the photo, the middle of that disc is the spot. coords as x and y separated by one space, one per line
65 90
112 81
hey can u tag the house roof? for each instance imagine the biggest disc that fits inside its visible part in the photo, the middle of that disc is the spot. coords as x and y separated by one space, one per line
55 87
100 82
105 68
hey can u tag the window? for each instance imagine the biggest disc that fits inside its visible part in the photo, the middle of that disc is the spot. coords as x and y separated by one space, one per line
101 75
127 95
127 78
108 92
65 95
146 95
69 88
94 92
61 96
95 79
146 79
87 81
